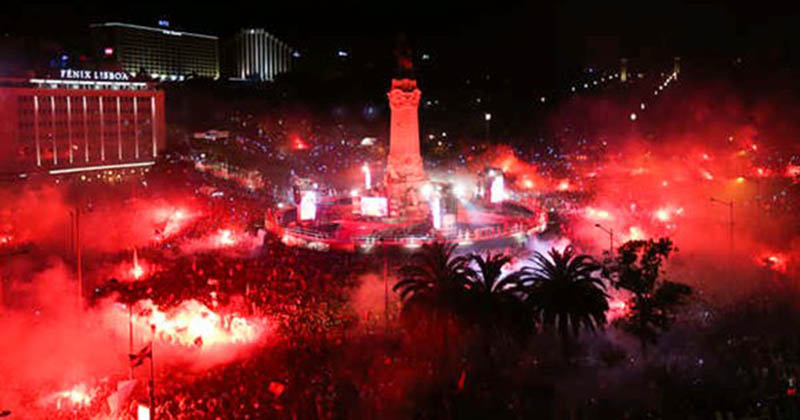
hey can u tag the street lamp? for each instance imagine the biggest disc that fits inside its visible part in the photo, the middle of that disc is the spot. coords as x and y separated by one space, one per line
385 284
488 118
610 233
730 220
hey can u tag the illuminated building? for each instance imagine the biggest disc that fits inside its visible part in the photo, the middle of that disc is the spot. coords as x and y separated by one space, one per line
80 120
257 55
161 53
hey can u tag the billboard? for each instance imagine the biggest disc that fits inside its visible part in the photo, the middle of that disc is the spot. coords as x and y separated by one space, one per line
374 206
308 206
498 192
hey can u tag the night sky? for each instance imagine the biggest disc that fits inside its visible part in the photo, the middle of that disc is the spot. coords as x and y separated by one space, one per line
540 40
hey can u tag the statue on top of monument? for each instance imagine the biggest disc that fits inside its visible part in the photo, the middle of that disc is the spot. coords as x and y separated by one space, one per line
403 54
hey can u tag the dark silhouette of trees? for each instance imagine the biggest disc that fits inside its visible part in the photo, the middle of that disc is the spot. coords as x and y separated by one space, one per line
561 290
495 307
433 287
637 269
565 294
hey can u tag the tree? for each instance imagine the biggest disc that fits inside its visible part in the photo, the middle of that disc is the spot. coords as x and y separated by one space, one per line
637 269
564 293
434 283
494 304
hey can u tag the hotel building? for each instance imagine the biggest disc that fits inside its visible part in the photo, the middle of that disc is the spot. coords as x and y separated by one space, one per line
79 120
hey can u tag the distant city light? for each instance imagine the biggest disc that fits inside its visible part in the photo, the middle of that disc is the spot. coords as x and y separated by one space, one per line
342 53
164 23
426 57
633 116
487 116
296 54
642 106
542 99
108 51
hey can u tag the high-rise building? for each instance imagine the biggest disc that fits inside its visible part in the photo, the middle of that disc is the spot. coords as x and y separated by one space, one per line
79 120
159 52
257 55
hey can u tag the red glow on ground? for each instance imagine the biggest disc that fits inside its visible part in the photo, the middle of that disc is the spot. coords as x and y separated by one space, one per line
171 221
298 143
597 214
225 238
134 270
193 324
662 215
78 396
617 308
793 171
137 271
636 234
775 261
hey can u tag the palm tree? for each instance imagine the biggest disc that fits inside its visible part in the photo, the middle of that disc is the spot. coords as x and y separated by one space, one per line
435 281
495 304
564 293
486 280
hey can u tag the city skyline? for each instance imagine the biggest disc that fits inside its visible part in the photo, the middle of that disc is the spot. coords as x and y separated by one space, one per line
544 41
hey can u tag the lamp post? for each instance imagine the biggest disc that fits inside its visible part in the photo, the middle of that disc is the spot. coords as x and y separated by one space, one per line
152 374
488 118
730 221
75 221
385 284
610 233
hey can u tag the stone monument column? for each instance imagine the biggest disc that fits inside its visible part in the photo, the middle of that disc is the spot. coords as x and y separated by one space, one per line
404 172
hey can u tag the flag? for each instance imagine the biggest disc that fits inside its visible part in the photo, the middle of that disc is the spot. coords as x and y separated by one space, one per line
118 398
138 358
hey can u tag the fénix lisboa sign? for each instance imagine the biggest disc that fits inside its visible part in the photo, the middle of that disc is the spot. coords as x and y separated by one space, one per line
94 75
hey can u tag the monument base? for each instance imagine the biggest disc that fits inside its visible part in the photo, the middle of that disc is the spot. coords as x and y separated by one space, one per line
404 180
